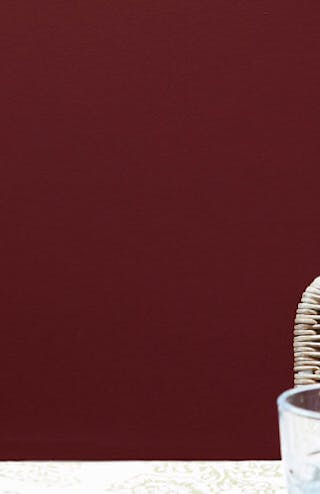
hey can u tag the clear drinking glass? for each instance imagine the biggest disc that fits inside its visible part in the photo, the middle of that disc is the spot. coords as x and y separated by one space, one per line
299 423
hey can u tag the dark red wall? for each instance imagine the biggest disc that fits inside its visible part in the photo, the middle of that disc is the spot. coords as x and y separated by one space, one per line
159 219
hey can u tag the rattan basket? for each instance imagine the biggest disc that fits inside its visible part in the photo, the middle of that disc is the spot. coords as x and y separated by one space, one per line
307 337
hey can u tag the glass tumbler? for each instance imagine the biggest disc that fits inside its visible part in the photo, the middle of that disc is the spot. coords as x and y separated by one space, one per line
299 424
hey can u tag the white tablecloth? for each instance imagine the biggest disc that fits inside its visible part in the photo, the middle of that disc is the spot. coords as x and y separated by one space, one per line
142 477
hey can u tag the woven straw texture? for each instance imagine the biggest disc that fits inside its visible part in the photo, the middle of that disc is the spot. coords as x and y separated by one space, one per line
307 337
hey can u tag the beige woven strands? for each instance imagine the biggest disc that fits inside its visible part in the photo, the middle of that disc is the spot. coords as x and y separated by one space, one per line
307 337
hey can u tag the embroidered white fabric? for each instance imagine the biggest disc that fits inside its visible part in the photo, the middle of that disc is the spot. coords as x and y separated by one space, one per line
142 477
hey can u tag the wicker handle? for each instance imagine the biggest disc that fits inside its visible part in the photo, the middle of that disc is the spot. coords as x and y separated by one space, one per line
307 337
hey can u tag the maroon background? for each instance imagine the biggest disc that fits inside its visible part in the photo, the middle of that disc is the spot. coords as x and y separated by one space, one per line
159 219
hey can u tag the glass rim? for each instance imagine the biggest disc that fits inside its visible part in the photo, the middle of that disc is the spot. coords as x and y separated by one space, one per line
283 403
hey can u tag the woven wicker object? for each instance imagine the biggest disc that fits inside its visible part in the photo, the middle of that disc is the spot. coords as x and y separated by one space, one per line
307 337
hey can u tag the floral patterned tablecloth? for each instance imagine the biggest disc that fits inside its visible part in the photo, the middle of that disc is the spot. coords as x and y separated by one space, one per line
142 477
